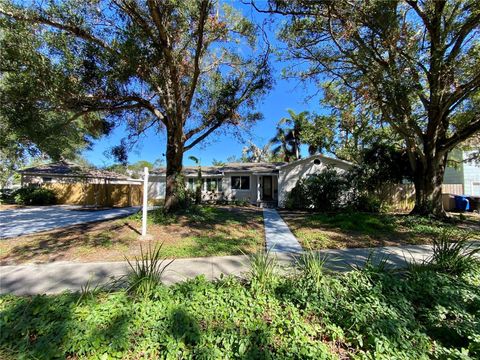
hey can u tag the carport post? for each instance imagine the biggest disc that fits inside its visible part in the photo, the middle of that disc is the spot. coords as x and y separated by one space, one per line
145 201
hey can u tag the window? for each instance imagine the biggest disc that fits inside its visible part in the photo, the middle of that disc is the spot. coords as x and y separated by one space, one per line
316 161
192 184
213 184
241 182
46 179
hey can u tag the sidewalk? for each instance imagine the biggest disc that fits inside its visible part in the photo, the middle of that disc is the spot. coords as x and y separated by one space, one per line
278 237
60 276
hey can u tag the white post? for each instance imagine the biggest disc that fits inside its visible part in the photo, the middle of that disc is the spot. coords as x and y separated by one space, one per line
145 202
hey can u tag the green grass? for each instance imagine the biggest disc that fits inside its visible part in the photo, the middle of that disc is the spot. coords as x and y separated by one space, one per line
218 231
363 314
367 229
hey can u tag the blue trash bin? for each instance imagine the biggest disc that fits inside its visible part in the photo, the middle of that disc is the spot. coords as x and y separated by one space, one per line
462 203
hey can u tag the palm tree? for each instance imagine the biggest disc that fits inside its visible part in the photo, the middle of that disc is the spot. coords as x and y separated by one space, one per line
198 185
287 140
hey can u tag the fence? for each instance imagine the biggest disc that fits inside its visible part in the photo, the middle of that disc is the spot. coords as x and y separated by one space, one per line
98 195
402 197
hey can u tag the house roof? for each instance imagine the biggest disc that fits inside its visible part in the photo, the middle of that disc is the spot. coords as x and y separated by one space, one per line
227 168
67 168
262 167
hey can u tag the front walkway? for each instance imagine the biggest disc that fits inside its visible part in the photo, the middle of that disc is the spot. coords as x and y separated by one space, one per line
33 219
278 237
60 276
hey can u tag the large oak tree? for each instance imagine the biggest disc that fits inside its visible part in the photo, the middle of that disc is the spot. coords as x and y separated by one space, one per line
418 62
186 67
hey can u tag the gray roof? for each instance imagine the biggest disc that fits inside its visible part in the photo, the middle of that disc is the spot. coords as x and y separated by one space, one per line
227 168
66 168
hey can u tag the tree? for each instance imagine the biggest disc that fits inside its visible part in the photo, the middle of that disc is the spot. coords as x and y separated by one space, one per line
185 67
199 181
417 62
288 138
348 129
31 123
216 162
256 154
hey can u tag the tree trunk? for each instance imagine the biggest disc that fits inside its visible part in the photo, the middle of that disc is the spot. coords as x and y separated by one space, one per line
174 181
428 186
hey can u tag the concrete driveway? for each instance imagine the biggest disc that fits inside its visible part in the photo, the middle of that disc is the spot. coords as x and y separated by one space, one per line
34 219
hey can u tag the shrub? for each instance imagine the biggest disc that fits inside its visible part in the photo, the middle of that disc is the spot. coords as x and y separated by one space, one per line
263 269
34 195
146 272
324 191
453 257
6 196
298 198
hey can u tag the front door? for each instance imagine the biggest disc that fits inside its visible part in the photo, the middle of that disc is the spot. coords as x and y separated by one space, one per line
267 188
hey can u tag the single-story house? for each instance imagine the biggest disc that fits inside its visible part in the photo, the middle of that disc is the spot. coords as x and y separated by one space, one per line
69 172
74 184
464 173
261 184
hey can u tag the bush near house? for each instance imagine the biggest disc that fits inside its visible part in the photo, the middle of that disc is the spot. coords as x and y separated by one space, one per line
427 311
34 195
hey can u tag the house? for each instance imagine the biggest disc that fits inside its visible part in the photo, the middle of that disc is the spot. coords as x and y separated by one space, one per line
74 184
463 172
261 184
69 172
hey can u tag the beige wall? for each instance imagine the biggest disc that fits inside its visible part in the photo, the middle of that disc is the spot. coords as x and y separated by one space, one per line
101 195
291 173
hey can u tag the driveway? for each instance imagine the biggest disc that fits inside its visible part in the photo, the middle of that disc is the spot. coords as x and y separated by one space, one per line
34 219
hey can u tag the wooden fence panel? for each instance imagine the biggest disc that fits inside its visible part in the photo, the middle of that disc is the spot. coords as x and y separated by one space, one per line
402 197
100 195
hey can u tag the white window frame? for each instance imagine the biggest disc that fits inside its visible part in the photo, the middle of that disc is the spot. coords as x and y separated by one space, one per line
240 188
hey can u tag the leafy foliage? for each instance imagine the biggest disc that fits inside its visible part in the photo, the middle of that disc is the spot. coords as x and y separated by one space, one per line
34 195
146 271
324 191
395 58
191 68
417 315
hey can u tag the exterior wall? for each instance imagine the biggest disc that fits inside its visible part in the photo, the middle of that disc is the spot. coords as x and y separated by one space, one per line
291 173
156 189
454 174
471 173
249 195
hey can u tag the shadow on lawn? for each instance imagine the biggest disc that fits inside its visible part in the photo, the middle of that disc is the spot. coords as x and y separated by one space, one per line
55 243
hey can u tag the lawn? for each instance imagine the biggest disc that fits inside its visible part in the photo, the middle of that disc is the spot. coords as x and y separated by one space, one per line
349 230
199 231
311 314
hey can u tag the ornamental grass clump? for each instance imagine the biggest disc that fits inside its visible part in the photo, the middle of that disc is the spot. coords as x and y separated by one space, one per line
146 271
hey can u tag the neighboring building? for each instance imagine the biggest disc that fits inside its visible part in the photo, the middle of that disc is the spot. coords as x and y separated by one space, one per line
466 173
69 172
77 185
262 184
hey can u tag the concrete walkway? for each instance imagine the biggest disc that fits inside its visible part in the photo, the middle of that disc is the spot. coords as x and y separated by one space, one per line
33 219
278 237
60 276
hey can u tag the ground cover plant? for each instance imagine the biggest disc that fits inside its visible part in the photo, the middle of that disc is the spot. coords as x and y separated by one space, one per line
370 313
359 229
197 231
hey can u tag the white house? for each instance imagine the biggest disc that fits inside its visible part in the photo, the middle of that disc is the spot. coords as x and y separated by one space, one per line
262 184
466 173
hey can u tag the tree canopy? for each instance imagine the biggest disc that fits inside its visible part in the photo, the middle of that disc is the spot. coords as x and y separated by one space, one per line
416 62
188 68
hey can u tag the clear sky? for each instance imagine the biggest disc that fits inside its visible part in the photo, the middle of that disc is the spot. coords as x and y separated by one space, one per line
286 94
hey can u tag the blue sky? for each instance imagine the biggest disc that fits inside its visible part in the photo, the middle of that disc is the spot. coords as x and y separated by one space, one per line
286 94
